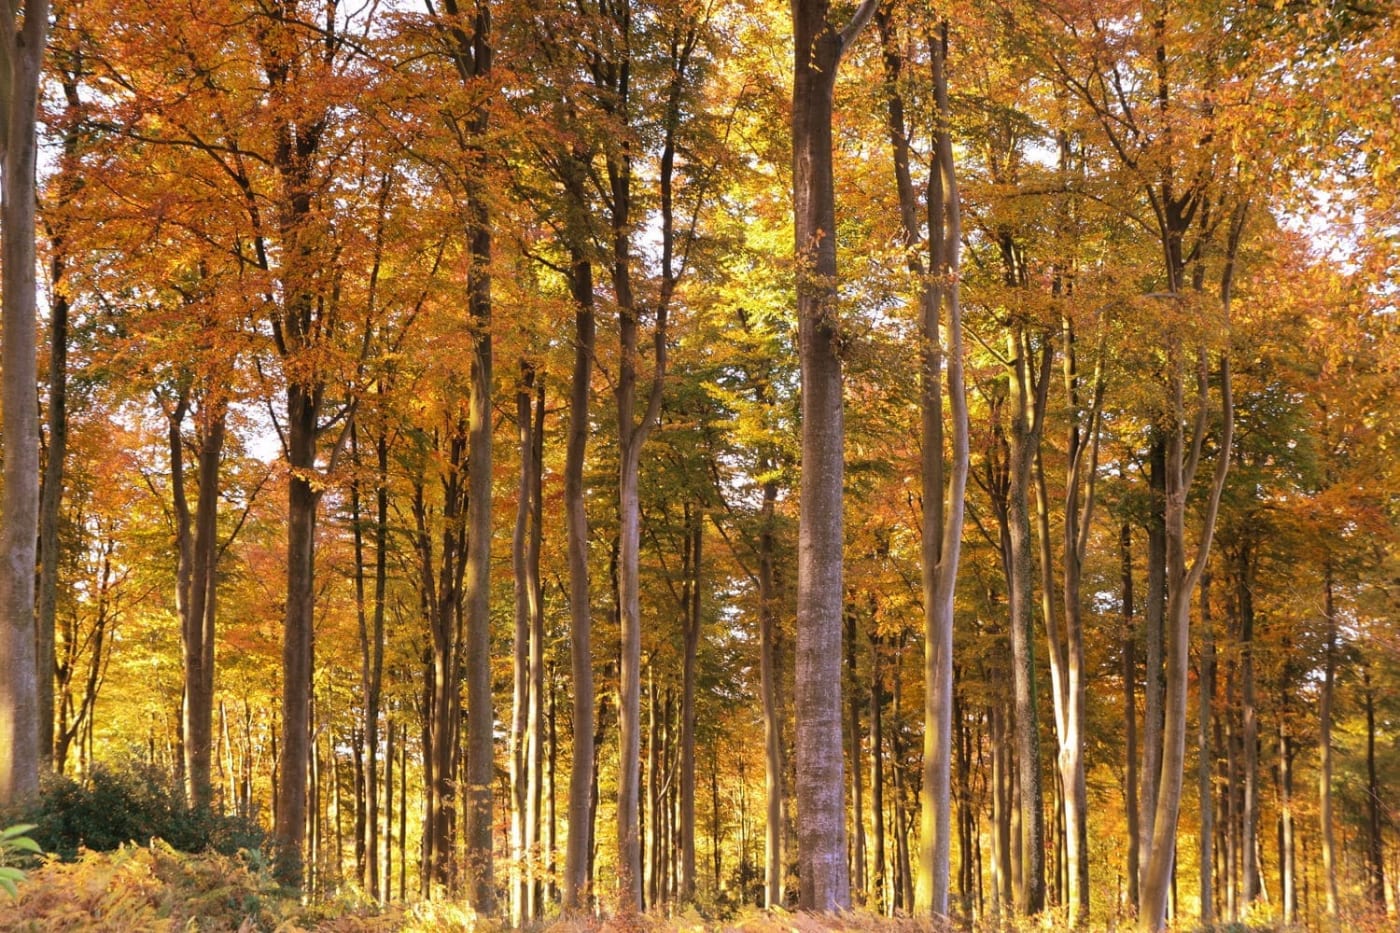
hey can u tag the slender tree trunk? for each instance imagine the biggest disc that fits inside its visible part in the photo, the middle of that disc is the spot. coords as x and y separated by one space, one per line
1183 574
853 740
943 506
877 777
1244 603
1288 865
694 615
389 812
1125 550
1153 620
903 870
528 709
1324 748
550 798
372 653
577 856
199 625
480 750
1375 844
21 56
1027 406
1205 767
51 501
403 817
772 714
290 831
1001 815
521 653
631 437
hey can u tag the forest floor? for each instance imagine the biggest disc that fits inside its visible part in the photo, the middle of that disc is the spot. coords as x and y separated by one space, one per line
154 889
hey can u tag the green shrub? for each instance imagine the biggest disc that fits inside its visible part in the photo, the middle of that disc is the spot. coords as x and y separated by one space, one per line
15 846
133 804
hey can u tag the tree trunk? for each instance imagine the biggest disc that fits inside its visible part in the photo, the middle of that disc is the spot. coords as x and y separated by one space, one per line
528 716
372 652
1324 747
853 740
1150 774
877 778
1183 573
1205 766
941 531
1027 399
389 812
1287 866
480 750
772 713
1179 461
290 830
1375 844
21 54
577 856
821 812
1130 793
199 625
1001 815
693 617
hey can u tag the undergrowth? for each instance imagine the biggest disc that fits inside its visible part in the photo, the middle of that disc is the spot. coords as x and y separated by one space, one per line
156 888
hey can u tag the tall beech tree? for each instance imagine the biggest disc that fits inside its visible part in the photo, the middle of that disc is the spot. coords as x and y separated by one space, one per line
23 34
818 46
933 243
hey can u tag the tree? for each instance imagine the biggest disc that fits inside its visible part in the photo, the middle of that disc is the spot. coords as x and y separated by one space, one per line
21 55
936 274
818 46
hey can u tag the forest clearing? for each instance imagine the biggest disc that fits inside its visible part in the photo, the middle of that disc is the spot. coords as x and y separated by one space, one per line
699 464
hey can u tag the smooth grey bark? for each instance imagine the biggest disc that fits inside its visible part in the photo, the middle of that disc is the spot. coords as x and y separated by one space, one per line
440 545
298 330
769 676
1288 845
1027 398
1183 574
633 431
301 430
527 733
476 583
371 632
1327 835
693 617
197 548
540 705
1249 714
1375 843
21 56
520 652
68 183
1129 647
1152 628
877 777
941 531
576 856
853 752
50 503
1067 651
818 45
1001 814
1205 765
